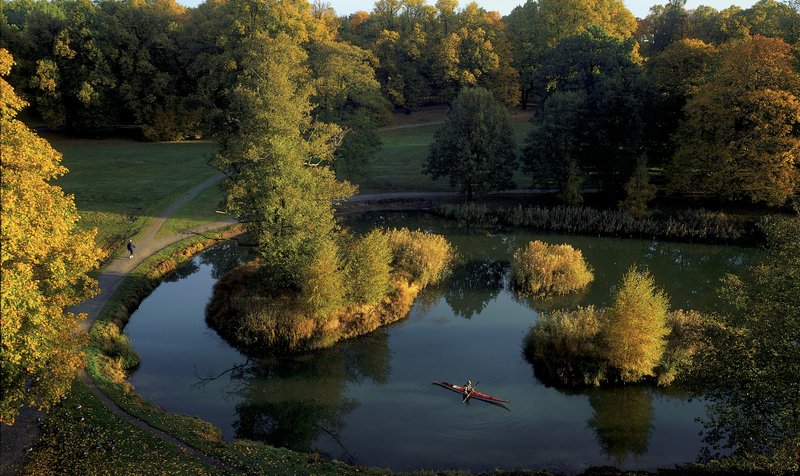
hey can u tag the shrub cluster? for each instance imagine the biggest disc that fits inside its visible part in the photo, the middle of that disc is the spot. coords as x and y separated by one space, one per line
563 347
379 278
635 339
425 257
543 269
689 225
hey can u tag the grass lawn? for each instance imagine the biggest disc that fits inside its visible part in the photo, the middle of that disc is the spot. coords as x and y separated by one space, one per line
82 436
119 184
397 166
199 211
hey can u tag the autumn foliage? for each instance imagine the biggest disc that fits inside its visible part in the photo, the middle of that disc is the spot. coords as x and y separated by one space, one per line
543 269
45 259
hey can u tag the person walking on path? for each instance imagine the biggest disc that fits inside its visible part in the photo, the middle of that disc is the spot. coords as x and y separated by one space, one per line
131 247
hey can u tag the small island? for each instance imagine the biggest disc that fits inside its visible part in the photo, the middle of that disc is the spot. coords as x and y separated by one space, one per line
382 274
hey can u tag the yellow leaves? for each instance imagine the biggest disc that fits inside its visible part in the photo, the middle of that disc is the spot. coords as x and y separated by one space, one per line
540 268
44 264
635 326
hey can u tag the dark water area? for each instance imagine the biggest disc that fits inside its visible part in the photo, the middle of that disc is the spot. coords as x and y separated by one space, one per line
371 400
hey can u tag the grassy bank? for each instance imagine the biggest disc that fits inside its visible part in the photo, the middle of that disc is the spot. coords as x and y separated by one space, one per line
108 358
82 436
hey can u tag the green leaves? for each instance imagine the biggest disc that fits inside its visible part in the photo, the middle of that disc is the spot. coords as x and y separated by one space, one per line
749 367
474 148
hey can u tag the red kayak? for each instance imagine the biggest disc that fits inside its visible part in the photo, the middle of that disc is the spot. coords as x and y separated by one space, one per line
475 394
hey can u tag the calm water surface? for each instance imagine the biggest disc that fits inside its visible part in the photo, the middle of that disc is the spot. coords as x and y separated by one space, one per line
370 401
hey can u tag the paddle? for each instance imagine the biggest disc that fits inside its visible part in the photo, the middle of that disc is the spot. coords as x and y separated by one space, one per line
469 394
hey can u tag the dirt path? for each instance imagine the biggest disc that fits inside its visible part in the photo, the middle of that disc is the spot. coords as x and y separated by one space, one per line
18 439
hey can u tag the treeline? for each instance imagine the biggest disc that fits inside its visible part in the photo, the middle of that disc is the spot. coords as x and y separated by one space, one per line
706 99
89 66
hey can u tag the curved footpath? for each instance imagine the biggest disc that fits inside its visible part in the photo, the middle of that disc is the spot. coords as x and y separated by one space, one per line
18 439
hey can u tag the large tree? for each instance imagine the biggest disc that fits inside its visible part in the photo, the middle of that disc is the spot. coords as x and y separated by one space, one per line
740 136
474 147
538 25
748 367
277 157
596 81
44 259
634 327
678 72
348 94
474 53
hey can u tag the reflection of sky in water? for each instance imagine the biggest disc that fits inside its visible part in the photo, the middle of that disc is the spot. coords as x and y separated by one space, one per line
371 401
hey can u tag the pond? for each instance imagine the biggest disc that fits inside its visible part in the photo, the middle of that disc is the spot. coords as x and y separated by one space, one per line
371 400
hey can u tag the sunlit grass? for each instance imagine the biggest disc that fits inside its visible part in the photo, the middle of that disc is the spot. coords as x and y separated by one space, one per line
82 436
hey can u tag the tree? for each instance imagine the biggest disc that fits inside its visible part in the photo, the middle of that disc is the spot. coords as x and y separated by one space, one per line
774 19
475 145
142 42
475 53
537 26
45 260
276 157
739 138
348 94
633 328
368 268
397 30
666 24
748 367
597 81
678 73
552 148
638 191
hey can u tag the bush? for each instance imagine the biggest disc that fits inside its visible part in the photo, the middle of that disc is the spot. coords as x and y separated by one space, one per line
563 347
634 327
543 269
250 313
321 281
368 267
423 256
114 344
681 344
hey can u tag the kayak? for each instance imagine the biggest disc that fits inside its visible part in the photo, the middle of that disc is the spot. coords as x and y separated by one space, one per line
475 394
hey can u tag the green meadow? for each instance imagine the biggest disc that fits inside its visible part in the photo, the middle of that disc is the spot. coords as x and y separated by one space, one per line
397 166
119 184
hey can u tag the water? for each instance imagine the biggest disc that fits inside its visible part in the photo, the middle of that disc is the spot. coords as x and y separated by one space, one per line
370 401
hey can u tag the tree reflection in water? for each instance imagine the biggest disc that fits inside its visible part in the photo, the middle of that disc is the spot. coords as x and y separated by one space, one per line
473 285
225 257
291 402
622 420
222 258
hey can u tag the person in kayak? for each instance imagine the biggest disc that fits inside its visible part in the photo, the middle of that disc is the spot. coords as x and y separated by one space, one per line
468 388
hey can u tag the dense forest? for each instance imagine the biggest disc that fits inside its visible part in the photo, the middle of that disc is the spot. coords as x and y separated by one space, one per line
707 99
